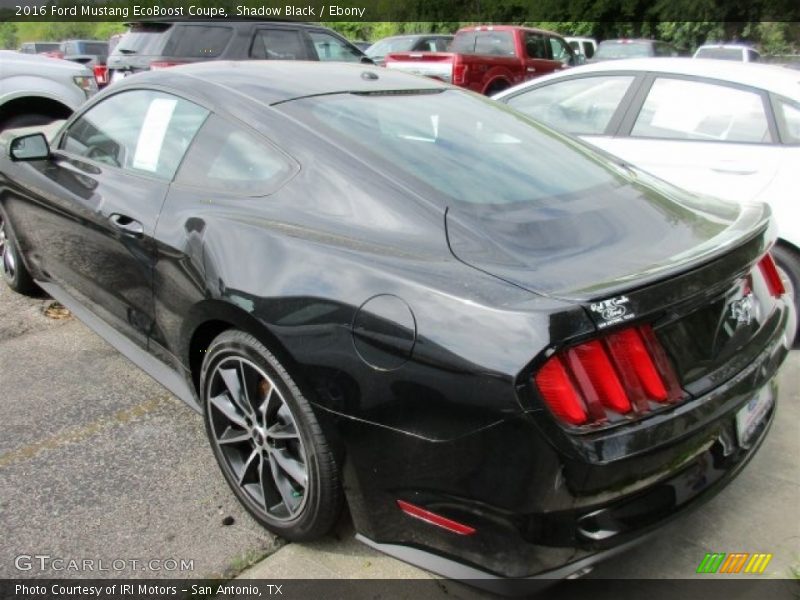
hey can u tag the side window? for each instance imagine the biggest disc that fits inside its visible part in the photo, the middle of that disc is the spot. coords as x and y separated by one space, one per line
229 158
753 56
329 47
442 44
140 131
693 110
278 44
588 49
198 41
535 45
580 106
789 121
560 50
496 43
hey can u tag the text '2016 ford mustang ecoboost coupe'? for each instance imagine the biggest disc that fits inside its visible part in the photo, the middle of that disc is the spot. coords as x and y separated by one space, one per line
510 355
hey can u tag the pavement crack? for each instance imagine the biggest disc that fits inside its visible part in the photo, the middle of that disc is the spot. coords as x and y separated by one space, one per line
83 432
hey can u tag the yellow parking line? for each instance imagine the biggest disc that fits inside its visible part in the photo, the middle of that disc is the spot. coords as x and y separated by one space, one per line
77 434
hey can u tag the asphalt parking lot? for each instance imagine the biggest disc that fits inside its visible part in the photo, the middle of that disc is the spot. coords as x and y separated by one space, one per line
99 462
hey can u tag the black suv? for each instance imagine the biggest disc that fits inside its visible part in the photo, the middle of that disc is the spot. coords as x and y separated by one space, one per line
158 44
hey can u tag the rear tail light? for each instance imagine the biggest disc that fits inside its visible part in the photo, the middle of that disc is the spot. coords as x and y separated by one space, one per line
770 271
626 372
101 74
163 64
459 74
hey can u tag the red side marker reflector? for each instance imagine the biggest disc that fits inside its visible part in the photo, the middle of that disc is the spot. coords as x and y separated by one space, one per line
771 274
434 519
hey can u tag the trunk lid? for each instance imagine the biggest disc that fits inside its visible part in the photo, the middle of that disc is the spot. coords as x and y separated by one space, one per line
689 266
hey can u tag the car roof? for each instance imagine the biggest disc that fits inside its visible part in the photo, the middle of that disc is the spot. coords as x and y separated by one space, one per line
274 81
731 46
771 78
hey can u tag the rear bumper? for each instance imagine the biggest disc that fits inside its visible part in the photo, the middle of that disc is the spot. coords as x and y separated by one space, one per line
540 511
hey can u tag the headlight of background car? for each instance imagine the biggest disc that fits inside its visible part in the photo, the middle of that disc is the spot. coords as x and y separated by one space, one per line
87 83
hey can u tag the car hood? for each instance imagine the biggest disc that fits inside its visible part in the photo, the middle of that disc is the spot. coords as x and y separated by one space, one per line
603 241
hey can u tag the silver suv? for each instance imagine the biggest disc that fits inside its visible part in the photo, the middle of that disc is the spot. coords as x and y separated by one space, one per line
35 90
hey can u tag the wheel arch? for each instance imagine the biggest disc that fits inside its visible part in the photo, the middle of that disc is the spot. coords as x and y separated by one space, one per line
34 104
212 318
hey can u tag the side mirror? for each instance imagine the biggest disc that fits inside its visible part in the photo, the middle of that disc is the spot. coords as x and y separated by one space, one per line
366 60
33 146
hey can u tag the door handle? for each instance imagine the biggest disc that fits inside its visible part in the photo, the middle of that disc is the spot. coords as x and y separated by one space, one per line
127 225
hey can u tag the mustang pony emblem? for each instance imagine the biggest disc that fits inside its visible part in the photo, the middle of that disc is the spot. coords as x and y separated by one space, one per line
742 310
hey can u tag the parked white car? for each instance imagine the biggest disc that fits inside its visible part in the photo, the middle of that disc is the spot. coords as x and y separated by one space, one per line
725 129
35 90
734 52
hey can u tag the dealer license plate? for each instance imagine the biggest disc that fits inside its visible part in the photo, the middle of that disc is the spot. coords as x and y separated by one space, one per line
751 414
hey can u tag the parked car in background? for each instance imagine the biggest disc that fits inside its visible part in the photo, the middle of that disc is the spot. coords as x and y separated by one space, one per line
585 46
160 44
632 48
92 53
478 346
361 44
488 59
40 48
718 128
424 42
735 52
35 90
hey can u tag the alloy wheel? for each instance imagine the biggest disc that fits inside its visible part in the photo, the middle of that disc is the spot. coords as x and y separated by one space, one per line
257 438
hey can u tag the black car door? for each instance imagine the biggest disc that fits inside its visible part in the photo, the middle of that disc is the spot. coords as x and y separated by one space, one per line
106 182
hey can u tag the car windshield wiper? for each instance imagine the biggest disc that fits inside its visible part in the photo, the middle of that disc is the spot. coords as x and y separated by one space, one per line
126 51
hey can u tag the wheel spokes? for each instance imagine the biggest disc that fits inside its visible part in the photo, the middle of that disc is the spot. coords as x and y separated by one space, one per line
231 412
285 489
257 438
292 467
234 436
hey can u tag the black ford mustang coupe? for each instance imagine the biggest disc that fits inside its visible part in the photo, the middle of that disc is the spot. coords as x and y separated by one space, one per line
510 355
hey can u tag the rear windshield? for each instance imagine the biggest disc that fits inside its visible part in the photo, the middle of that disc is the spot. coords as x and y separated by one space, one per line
498 43
95 48
470 149
624 49
198 41
143 39
384 47
720 53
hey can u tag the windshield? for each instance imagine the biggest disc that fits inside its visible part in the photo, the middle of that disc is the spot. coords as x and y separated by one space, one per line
384 47
143 38
468 148
720 53
623 50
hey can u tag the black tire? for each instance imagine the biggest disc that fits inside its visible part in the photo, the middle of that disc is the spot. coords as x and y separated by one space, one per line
13 269
788 262
496 88
26 120
303 512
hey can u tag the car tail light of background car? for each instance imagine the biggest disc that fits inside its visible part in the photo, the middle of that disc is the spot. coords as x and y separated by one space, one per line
101 74
164 64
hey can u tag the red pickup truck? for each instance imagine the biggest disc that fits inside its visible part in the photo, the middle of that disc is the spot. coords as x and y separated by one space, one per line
489 58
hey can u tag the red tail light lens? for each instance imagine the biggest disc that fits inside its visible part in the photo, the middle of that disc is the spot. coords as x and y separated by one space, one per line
459 74
561 396
770 271
101 74
620 373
